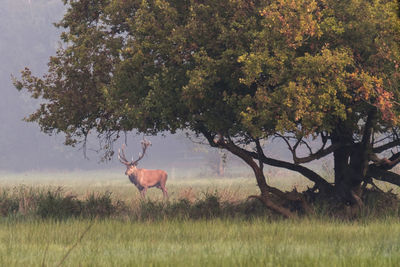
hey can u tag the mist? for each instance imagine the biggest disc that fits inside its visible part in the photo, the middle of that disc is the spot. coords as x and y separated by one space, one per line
28 39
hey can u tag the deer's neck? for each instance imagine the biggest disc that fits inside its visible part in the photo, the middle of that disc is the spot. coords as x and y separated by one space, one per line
134 176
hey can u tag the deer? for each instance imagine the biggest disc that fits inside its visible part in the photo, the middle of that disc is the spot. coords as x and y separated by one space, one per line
143 178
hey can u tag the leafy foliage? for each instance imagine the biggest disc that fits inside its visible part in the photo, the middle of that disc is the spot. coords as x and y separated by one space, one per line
237 72
317 64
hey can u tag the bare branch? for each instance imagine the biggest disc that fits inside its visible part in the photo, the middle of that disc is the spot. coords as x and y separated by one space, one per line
308 146
382 139
319 154
321 183
286 141
297 143
322 152
383 175
386 146
311 175
385 163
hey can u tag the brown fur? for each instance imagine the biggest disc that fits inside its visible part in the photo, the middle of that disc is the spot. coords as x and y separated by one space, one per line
144 179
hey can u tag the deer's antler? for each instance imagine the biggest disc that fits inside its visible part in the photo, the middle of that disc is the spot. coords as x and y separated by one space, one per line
145 144
122 157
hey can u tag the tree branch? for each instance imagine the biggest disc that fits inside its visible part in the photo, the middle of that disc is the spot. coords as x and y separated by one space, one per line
307 145
322 152
386 146
260 153
385 163
383 175
242 153
286 141
368 128
320 182
317 155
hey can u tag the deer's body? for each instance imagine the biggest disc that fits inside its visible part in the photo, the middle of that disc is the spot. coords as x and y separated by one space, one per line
143 178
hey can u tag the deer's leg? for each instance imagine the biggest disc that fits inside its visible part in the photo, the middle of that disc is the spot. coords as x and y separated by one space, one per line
164 190
143 192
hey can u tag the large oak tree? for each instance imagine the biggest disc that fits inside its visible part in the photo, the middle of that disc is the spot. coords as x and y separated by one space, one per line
322 75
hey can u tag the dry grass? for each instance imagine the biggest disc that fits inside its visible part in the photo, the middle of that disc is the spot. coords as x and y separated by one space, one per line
22 192
82 183
198 227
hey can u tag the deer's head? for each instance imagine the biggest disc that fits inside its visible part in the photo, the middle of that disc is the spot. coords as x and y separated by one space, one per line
131 166
130 169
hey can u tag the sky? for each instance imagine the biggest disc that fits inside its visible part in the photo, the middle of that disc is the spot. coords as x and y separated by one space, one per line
28 39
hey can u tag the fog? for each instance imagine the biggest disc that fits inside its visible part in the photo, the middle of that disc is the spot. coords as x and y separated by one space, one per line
28 39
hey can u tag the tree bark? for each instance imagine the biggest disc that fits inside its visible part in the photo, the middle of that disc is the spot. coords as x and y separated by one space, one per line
351 160
320 183
261 181
383 175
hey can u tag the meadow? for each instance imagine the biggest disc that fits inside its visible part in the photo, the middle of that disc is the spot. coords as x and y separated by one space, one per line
210 239
212 242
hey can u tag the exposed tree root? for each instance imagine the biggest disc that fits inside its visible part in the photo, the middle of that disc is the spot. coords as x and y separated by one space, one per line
300 198
274 207
345 194
364 201
292 203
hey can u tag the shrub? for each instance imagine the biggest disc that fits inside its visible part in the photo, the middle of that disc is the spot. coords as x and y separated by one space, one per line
180 209
208 208
8 204
53 204
98 205
151 210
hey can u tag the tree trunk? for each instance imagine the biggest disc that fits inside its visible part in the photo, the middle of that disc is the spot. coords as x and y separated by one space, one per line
266 190
341 159
351 160
221 164
341 163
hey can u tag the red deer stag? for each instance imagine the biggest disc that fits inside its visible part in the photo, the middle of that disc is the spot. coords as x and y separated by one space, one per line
143 178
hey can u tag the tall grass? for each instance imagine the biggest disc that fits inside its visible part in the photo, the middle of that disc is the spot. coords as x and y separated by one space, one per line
41 203
216 242
207 222
98 196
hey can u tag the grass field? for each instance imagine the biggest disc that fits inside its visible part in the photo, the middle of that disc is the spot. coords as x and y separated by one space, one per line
80 183
200 243
123 241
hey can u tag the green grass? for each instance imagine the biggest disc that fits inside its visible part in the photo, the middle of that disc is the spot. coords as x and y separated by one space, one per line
201 243
227 241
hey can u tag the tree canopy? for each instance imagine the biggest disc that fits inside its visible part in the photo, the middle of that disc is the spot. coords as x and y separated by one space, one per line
313 73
